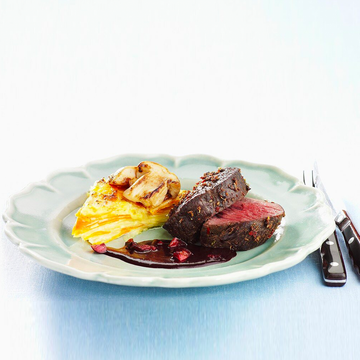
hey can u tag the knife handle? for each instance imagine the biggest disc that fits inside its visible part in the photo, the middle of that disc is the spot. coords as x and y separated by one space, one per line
352 240
333 267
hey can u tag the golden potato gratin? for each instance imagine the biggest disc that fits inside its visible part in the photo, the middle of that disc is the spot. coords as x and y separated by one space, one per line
134 199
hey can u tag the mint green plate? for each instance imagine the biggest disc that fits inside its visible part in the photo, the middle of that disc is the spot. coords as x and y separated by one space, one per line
39 220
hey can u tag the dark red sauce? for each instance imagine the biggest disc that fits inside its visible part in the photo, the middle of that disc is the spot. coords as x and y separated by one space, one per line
168 254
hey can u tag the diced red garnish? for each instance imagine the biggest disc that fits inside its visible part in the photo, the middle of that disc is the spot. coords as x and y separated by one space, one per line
175 242
159 242
182 255
100 248
131 245
144 248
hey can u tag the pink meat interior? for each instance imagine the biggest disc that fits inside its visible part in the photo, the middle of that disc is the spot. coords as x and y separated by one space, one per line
247 209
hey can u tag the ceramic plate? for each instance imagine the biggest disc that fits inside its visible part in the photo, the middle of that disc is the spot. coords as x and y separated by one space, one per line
39 220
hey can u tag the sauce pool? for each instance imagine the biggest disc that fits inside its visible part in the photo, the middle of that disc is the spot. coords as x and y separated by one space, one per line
168 254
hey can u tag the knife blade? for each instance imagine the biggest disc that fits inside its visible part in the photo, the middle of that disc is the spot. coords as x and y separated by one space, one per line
343 222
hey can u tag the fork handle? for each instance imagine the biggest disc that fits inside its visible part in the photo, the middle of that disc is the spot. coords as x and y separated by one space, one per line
333 268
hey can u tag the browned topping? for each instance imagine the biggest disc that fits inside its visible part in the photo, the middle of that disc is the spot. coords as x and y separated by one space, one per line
111 197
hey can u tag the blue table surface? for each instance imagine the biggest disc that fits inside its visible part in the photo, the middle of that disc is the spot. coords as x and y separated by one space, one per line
289 314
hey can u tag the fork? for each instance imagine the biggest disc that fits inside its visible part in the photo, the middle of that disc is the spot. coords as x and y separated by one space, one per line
333 267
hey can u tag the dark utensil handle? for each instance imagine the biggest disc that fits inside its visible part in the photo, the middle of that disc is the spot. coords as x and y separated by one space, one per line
333 267
352 240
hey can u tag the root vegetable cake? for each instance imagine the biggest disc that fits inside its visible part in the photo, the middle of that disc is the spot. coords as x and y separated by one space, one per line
132 200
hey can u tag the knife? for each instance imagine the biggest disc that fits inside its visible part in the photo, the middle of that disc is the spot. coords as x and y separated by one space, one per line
343 222
333 268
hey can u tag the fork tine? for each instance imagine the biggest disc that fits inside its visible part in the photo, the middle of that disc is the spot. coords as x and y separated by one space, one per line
312 178
304 180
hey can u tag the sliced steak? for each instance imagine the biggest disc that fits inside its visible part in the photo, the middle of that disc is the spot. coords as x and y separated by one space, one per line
214 192
246 224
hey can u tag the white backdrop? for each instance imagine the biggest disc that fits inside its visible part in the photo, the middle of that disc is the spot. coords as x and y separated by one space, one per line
274 82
